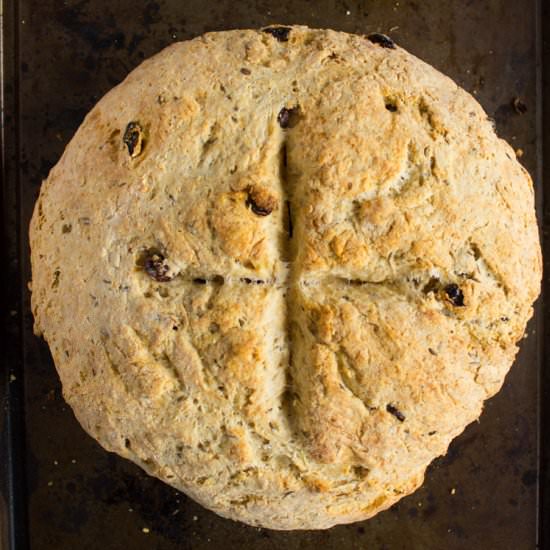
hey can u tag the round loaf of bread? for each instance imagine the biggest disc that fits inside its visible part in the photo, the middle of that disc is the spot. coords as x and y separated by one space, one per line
282 269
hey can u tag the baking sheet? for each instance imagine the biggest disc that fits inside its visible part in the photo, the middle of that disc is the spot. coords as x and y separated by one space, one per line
59 489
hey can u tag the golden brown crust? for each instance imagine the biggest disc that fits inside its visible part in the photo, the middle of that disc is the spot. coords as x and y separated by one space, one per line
283 275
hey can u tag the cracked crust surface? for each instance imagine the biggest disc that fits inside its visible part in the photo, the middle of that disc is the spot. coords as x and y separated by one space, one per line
282 271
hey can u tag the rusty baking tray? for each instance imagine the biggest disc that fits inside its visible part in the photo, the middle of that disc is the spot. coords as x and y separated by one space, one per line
59 489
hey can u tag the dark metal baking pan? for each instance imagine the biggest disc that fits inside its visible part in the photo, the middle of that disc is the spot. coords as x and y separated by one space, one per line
59 489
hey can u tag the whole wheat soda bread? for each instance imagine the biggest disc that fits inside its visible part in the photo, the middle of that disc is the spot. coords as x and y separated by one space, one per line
282 269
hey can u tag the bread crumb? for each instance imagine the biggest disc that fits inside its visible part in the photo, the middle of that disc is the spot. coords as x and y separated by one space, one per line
195 518
50 483
146 530
519 106
13 378
519 153
453 491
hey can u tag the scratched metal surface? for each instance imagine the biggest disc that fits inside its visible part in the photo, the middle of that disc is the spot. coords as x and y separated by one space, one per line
481 495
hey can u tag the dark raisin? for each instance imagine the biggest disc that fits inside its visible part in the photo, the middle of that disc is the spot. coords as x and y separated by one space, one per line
133 139
432 351
391 107
283 117
260 201
157 268
245 71
382 40
287 118
432 432
455 295
396 412
280 33
519 107
199 281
